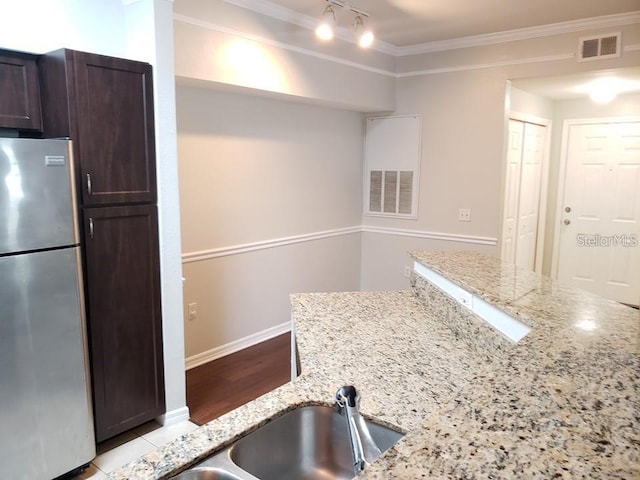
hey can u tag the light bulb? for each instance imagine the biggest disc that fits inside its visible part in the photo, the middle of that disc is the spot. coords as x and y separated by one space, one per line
603 90
324 31
366 39
363 35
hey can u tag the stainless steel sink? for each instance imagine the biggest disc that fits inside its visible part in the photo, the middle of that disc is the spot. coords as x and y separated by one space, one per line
207 473
308 443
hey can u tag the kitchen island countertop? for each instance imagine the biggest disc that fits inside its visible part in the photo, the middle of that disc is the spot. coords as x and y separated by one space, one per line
563 402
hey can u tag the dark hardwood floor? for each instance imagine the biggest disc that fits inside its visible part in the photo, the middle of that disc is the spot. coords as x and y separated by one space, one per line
218 387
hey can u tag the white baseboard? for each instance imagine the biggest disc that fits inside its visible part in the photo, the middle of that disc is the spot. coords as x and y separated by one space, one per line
236 345
174 416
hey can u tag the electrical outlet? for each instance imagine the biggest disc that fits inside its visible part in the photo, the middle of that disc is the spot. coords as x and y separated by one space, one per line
407 271
192 311
464 215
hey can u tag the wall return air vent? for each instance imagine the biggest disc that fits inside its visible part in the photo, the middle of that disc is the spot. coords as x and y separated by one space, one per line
599 47
392 166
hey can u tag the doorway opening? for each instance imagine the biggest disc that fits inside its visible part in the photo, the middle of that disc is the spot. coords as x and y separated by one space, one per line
563 101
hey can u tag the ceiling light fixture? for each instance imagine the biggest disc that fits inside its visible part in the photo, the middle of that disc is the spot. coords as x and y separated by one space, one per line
604 90
363 35
326 28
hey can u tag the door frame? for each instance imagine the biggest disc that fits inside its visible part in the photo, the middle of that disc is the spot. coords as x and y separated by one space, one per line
566 125
544 180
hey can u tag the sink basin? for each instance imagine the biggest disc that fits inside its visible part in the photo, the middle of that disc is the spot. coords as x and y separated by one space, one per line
204 473
308 443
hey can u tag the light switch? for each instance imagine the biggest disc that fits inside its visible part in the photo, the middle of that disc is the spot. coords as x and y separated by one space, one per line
192 311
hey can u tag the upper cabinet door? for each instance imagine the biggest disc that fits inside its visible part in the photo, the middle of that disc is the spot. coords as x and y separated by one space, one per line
20 98
114 129
105 105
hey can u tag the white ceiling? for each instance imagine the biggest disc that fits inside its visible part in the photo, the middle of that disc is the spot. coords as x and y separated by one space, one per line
412 22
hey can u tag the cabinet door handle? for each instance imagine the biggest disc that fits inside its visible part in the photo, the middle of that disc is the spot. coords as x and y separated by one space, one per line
89 183
90 227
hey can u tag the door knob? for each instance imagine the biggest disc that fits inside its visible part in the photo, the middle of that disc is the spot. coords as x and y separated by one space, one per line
567 222
567 209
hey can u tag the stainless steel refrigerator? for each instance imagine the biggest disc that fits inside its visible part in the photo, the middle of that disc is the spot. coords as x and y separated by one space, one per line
46 421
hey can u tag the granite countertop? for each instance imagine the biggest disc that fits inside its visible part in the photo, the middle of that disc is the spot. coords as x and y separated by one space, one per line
563 402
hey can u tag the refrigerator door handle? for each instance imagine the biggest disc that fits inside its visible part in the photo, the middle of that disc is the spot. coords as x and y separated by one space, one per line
89 184
90 227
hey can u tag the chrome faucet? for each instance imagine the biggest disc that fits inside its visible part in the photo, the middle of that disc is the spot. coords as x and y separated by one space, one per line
363 448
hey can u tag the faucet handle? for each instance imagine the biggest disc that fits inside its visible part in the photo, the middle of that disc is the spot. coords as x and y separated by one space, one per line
347 396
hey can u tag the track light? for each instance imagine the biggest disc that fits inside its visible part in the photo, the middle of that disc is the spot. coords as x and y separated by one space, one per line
363 35
324 31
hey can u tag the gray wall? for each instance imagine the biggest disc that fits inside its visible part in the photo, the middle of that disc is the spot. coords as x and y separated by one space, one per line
261 175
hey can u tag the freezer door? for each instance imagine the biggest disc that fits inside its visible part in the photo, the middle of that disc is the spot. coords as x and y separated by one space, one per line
37 198
46 416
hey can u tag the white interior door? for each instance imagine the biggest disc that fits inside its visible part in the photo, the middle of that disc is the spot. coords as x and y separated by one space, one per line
529 208
512 190
523 181
599 242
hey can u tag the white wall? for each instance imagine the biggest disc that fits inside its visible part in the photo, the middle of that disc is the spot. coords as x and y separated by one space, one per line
528 103
255 172
40 26
141 30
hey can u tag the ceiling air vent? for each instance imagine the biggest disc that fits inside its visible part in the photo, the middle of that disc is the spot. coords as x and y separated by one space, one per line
599 47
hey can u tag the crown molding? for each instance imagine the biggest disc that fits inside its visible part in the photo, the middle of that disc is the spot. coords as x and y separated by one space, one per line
278 12
480 66
604 21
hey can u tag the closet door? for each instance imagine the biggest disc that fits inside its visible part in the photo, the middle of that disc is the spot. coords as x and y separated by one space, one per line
523 183
529 196
512 191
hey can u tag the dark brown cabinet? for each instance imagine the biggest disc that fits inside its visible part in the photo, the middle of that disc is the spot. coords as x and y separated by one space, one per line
123 296
20 92
105 105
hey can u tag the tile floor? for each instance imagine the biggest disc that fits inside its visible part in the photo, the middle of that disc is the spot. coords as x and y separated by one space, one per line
120 450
